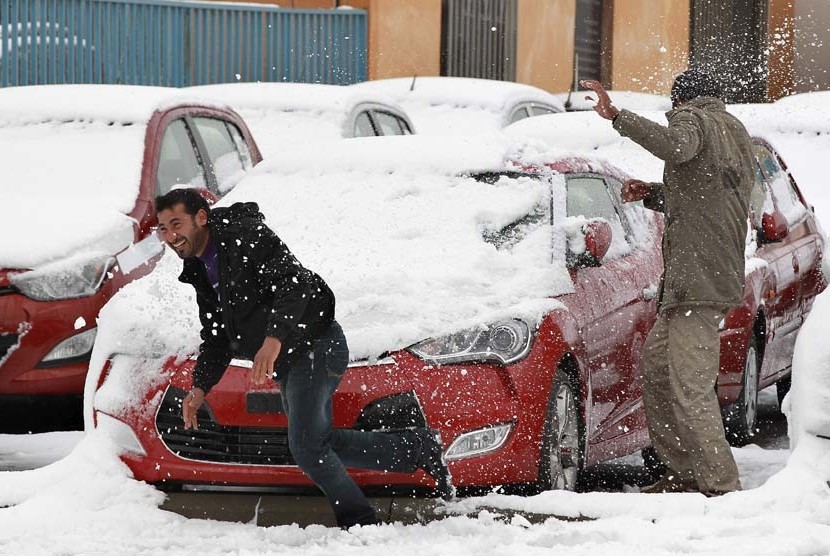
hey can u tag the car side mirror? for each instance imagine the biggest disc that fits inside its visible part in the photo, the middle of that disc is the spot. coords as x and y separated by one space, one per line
596 237
774 227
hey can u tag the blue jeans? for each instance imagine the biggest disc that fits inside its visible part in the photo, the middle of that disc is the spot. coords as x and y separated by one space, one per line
324 453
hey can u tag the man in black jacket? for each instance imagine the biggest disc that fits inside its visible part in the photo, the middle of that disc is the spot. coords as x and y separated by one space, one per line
256 301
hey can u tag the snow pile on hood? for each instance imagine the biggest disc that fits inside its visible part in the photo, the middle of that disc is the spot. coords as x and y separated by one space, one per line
399 241
283 115
72 159
456 105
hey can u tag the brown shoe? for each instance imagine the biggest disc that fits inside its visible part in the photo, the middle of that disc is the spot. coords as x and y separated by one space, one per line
670 482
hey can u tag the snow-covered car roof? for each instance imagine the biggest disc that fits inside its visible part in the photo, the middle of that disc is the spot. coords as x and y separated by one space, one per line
280 115
460 105
588 132
397 233
630 100
72 160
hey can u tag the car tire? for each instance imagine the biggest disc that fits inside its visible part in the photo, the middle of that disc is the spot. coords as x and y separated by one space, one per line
782 387
741 417
562 457
655 468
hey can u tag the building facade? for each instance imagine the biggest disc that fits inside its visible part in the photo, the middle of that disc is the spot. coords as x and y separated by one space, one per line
768 48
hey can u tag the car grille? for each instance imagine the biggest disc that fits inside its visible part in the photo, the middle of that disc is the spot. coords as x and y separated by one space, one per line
262 445
7 342
219 443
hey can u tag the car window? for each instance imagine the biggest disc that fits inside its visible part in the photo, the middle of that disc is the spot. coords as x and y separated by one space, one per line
589 197
786 199
227 163
519 114
363 126
760 200
179 164
509 235
387 123
404 126
539 110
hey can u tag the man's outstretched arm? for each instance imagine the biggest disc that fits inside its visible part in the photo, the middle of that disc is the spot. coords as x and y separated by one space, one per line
678 143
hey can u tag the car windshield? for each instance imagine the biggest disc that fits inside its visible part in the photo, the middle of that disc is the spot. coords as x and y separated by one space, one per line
93 161
524 223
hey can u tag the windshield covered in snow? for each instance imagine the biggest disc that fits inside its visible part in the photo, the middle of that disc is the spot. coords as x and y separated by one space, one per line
97 161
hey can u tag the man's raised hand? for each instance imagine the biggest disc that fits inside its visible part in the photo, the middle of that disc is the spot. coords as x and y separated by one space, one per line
603 106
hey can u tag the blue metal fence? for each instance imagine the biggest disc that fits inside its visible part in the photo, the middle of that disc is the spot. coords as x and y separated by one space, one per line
165 42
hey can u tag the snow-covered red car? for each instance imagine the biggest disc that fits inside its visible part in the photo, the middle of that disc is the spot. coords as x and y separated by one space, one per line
503 304
81 167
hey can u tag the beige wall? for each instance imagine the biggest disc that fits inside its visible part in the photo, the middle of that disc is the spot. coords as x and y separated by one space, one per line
545 43
404 37
650 44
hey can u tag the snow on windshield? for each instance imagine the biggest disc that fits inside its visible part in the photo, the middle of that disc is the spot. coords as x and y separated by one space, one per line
403 250
65 184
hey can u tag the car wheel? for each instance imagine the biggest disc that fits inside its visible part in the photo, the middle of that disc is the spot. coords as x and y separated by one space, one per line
561 461
654 466
741 416
782 387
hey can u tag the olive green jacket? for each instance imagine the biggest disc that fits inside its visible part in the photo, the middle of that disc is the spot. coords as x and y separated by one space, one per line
707 181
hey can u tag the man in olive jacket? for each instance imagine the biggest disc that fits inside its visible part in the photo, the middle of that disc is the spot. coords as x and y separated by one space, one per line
707 181
256 301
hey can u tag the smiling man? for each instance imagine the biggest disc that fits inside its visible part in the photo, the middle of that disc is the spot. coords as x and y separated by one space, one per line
256 301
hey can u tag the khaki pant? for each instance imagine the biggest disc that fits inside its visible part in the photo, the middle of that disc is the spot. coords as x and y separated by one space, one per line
681 358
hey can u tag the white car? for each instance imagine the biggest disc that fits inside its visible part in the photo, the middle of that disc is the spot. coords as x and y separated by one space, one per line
282 115
463 106
575 101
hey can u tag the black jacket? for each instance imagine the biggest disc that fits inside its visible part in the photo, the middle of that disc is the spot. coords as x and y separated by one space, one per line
264 291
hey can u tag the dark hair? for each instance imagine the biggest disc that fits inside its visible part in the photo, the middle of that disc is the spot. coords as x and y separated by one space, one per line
694 83
191 199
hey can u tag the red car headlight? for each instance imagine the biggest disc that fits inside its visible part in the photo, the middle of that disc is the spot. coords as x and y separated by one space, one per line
504 342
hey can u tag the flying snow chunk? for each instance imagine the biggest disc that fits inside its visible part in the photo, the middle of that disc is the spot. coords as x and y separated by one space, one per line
80 322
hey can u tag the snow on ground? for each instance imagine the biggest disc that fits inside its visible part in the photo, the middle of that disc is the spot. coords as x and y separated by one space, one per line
87 504
19 452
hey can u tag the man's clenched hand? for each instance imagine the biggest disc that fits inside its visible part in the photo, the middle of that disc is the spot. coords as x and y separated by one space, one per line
635 190
603 106
265 358
190 405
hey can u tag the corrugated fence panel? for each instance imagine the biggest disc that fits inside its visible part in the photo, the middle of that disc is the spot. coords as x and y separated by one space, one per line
165 42
478 38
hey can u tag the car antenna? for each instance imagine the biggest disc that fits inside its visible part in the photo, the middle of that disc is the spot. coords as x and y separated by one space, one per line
412 86
568 104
